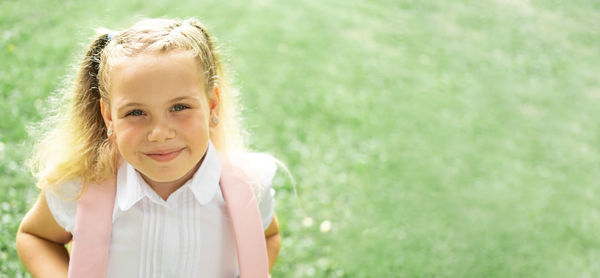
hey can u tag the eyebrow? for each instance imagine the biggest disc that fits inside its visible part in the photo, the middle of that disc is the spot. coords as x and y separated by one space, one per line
184 98
130 104
136 104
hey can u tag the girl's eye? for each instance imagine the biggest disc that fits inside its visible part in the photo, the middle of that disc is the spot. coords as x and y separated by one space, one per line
179 107
135 113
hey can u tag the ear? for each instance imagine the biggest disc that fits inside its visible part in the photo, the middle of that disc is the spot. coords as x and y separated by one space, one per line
214 100
105 111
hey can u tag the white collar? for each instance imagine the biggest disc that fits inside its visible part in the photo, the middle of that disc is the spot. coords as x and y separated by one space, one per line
131 187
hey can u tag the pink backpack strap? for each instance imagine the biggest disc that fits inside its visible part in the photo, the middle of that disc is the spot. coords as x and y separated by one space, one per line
93 227
245 219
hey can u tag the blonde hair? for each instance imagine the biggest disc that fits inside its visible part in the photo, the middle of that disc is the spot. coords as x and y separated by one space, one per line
78 147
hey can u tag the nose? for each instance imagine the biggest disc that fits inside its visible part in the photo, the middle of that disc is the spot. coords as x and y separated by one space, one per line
161 130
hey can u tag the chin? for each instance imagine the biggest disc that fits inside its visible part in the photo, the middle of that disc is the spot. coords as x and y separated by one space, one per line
164 176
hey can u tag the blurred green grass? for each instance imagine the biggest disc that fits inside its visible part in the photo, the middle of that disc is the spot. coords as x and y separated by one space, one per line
439 138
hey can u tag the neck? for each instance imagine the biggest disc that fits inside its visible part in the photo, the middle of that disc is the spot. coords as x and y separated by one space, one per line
166 188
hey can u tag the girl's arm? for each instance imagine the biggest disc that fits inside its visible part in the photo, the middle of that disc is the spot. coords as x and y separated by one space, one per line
273 241
41 242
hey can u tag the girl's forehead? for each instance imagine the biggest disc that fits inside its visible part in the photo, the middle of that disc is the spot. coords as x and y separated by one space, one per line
155 66
153 59
148 74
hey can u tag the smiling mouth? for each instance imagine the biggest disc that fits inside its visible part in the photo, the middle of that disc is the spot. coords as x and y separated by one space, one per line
164 156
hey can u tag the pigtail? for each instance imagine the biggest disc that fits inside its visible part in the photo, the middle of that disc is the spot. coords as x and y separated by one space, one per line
209 56
77 147
86 101
86 106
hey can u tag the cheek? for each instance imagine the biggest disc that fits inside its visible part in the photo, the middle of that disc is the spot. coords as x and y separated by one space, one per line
125 143
128 136
129 126
193 122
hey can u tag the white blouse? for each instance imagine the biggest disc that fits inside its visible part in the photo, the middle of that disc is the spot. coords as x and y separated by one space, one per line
188 235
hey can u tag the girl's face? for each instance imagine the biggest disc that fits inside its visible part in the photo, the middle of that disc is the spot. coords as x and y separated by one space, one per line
159 113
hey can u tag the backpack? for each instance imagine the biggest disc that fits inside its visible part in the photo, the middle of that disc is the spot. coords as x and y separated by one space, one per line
93 225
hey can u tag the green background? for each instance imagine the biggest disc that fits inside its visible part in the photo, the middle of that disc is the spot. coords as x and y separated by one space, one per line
438 138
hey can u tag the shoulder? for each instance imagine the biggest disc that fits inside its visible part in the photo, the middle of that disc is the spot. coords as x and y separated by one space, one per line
62 202
66 190
260 168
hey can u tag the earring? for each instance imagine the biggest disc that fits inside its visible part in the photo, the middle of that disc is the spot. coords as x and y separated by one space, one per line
215 120
109 132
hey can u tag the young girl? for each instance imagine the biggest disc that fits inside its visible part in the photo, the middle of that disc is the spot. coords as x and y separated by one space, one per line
152 119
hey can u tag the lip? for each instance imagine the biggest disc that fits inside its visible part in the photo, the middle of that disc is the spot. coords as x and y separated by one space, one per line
164 155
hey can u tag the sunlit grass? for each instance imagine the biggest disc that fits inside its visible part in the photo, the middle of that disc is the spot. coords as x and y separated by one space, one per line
428 138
